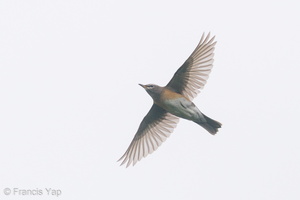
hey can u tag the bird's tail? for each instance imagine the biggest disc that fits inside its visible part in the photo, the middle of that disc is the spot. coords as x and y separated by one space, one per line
210 125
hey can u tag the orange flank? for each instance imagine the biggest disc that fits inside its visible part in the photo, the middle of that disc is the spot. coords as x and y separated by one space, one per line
169 94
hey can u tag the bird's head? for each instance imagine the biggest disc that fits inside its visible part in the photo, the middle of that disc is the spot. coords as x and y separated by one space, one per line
153 90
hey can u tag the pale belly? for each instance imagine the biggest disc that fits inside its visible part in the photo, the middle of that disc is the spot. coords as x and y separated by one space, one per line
181 107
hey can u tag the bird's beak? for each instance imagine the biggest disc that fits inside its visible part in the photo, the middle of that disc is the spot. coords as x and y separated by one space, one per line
142 85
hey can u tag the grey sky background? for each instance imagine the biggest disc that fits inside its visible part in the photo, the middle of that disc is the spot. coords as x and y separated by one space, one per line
70 101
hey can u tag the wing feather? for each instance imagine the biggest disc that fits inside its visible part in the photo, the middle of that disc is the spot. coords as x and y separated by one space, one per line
193 74
155 128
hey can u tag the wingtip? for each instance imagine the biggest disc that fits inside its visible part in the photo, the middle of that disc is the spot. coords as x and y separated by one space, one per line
123 162
208 35
206 39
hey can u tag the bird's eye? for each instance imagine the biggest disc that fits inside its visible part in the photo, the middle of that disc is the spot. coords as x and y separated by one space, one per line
150 86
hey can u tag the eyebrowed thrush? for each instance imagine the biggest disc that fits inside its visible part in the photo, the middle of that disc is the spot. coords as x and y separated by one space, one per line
174 101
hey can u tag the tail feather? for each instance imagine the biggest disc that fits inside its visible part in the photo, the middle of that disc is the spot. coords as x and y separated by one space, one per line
210 125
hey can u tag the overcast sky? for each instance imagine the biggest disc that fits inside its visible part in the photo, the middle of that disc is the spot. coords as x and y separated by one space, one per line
70 102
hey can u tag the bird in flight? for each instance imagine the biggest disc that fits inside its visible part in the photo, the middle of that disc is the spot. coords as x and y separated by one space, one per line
174 101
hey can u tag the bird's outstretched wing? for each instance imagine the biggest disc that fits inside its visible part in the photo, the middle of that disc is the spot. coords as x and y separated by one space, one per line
192 75
156 126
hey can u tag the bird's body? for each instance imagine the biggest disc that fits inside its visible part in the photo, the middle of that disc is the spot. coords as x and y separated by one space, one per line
172 102
180 106
183 108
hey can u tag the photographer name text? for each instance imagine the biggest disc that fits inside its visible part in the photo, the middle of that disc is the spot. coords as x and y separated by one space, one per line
32 192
